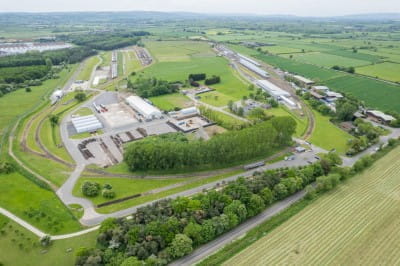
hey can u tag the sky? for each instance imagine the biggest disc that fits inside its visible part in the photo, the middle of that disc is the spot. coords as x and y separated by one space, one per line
267 7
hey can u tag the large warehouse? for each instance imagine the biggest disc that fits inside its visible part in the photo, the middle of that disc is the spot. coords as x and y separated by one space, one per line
254 68
147 110
88 123
249 60
272 89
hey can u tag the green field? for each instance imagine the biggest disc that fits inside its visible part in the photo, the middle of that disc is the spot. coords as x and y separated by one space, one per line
37 206
176 60
388 71
301 122
170 101
357 223
327 136
16 103
20 247
88 68
125 187
327 60
83 111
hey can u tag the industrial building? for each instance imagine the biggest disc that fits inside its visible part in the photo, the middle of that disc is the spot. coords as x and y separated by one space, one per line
148 111
253 68
114 70
21 48
272 89
251 61
88 123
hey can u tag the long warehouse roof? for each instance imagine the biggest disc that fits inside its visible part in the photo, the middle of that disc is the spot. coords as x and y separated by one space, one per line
249 60
272 88
253 68
142 106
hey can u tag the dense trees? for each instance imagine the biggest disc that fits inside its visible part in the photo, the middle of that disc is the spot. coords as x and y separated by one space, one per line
345 110
197 77
21 74
170 229
213 80
90 189
80 96
148 87
157 153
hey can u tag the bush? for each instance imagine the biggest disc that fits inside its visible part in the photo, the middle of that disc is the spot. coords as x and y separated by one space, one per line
80 97
108 194
90 189
197 77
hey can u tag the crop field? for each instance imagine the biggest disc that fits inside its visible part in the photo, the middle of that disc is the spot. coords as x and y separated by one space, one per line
375 93
314 72
125 187
357 223
20 247
277 49
327 136
327 60
38 206
388 71
170 101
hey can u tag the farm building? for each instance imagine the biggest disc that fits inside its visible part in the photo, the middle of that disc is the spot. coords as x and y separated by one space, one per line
303 81
145 109
251 61
88 123
189 111
333 95
56 96
380 117
272 89
253 68
320 88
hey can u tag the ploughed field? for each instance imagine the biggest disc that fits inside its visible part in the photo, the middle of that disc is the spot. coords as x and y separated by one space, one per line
357 223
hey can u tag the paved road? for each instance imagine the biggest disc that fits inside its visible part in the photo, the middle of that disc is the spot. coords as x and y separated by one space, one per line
213 246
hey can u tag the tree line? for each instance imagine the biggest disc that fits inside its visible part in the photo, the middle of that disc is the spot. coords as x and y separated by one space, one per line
149 87
169 229
159 153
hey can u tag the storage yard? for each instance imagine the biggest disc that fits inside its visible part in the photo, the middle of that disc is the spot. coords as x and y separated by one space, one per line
21 48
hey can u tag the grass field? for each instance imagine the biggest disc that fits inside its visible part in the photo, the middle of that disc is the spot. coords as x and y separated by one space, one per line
37 206
388 71
83 111
327 60
176 60
327 136
20 247
301 122
125 187
170 101
357 223
147 198
18 102
90 63
106 59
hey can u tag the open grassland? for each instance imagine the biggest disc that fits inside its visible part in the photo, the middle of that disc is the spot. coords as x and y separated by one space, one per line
16 103
357 223
38 206
327 60
90 63
20 247
178 51
190 59
327 136
132 63
388 71
301 122
170 101
124 187
159 195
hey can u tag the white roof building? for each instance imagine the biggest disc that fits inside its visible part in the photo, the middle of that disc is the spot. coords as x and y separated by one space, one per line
333 94
147 110
254 68
189 111
304 80
88 123
249 60
272 89
321 88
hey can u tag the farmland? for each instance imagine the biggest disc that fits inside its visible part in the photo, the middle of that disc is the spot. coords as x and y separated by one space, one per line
327 60
356 224
387 71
